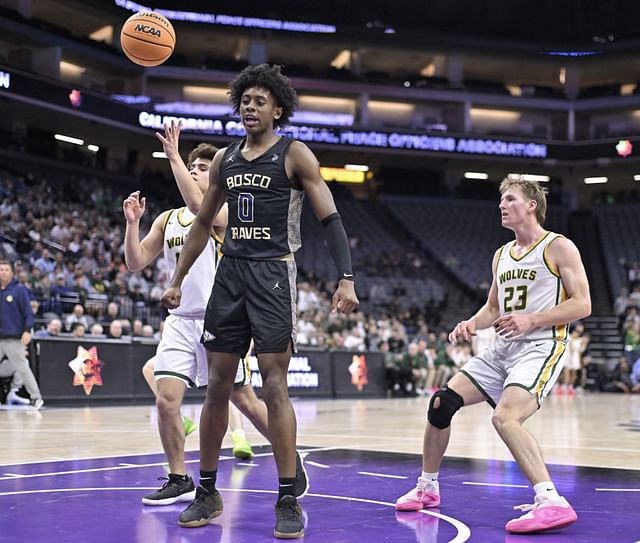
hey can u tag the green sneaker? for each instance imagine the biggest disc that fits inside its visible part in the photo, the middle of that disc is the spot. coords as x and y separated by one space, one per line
189 426
241 447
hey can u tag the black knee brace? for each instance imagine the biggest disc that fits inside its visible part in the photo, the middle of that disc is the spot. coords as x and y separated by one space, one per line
450 402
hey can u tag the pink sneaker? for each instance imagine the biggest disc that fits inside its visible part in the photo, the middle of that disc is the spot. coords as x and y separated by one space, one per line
542 516
425 494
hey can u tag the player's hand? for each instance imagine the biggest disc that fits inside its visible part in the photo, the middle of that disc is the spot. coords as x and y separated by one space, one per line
171 297
513 324
344 298
134 206
171 138
463 331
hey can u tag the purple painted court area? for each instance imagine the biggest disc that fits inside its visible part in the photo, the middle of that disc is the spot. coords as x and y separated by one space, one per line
350 500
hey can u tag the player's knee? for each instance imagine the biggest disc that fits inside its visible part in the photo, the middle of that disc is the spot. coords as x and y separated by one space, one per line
274 391
443 405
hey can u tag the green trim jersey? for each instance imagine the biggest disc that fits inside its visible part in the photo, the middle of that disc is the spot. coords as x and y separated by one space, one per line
197 285
528 283
264 206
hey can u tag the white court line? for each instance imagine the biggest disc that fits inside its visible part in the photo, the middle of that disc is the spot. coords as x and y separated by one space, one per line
618 489
462 535
12 475
382 475
316 464
125 464
132 466
494 484
247 464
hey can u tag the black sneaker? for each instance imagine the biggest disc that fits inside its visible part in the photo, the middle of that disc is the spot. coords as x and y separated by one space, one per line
302 479
176 489
289 523
205 507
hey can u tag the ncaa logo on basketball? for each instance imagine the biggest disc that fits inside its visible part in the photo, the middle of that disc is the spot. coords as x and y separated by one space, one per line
148 30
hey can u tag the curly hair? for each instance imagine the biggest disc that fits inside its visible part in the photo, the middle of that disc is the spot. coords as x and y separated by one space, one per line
268 77
203 150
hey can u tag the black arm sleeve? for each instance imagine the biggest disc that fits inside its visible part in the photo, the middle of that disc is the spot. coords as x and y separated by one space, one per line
338 245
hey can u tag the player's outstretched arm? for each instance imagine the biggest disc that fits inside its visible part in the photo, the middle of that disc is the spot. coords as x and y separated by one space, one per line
139 254
191 193
199 233
302 164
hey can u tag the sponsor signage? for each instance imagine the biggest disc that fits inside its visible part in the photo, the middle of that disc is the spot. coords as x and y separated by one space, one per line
56 95
358 374
309 374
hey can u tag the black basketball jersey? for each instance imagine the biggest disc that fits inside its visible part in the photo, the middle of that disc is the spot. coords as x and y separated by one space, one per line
264 207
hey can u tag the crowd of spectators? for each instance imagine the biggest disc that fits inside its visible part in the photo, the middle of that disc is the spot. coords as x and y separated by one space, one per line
64 234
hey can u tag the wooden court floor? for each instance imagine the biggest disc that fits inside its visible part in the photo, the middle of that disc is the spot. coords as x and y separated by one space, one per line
593 429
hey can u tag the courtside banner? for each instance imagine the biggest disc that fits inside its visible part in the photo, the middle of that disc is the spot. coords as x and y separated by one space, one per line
309 374
358 374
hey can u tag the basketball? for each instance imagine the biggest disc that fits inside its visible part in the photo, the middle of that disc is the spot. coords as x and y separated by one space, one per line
147 38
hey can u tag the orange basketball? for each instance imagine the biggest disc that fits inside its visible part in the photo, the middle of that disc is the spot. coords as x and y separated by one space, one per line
147 38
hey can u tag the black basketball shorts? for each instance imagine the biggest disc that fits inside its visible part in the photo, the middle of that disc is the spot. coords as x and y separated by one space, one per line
252 299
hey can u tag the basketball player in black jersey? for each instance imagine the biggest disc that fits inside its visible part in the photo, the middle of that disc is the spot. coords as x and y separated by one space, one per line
263 178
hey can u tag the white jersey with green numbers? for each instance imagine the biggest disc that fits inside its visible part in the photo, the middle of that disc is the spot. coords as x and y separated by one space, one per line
196 287
527 284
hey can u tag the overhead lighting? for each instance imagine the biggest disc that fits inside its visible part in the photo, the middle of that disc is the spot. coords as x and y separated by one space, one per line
628 89
530 177
328 104
357 167
396 107
93 148
514 90
476 175
71 70
158 154
595 180
68 139
195 93
494 114
342 59
429 70
636 177
562 76
342 175
104 34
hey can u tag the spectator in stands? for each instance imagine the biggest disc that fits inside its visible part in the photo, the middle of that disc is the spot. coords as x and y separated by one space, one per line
115 330
97 329
632 342
147 331
76 316
620 378
575 349
45 262
621 303
16 323
113 312
136 328
78 329
54 327
635 376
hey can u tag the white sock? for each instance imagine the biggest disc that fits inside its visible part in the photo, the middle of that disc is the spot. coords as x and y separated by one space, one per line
238 433
432 478
546 489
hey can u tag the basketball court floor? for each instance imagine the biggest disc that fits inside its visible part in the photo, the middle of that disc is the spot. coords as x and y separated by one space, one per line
77 474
